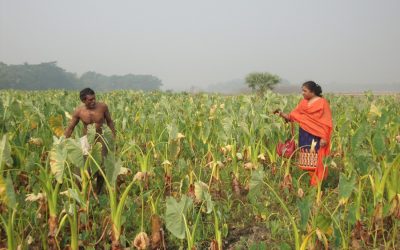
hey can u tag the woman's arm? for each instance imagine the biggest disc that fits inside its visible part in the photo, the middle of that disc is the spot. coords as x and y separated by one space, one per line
283 115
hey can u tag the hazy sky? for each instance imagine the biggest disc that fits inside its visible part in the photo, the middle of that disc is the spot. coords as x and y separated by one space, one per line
204 42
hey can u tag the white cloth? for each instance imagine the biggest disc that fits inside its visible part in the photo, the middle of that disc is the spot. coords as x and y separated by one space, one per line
85 145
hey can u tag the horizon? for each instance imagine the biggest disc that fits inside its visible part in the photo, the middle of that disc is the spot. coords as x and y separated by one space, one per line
288 87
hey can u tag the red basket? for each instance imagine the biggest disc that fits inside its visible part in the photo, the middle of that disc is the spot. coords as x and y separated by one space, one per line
287 148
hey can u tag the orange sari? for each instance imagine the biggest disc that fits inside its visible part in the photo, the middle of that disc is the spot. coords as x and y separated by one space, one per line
316 119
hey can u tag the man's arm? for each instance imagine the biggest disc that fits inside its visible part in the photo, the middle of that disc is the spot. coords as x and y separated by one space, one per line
109 121
72 124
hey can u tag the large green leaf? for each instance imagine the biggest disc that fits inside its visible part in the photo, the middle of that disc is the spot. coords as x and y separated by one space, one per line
5 152
304 207
209 202
245 128
344 129
227 125
172 131
258 246
337 236
175 215
58 156
108 138
96 154
386 114
362 163
256 181
352 214
74 194
378 141
91 134
324 223
202 194
346 187
359 137
75 155
7 194
174 147
256 187
206 131
283 246
112 167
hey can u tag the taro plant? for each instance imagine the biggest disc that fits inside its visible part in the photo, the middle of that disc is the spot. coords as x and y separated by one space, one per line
113 168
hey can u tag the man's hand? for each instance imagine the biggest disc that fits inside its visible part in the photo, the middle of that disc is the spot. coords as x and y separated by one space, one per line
74 121
323 143
110 122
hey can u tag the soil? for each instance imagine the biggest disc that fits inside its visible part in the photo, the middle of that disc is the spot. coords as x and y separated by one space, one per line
240 237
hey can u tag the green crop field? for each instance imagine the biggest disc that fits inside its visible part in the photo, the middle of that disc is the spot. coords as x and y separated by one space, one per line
195 172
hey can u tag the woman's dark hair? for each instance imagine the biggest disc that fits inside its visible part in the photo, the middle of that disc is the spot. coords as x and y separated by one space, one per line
313 87
85 92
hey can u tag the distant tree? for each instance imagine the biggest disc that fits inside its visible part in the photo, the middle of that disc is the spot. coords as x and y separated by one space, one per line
261 81
36 76
50 76
114 82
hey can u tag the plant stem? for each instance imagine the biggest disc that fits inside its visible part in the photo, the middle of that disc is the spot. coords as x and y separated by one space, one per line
295 230
141 197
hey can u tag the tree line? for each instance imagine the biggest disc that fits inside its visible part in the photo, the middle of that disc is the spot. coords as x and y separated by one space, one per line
50 76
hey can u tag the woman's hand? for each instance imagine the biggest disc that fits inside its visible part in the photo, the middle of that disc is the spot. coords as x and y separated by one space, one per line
277 111
283 115
323 143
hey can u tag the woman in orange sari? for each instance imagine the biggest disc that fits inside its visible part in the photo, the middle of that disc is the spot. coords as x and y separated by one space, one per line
314 117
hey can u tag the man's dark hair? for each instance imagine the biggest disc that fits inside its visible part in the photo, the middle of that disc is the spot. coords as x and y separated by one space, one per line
85 92
313 87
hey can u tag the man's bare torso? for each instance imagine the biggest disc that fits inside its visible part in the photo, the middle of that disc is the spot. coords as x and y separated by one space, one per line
94 116
91 112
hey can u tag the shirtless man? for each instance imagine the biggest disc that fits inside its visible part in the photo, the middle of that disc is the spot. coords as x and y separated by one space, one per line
92 112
